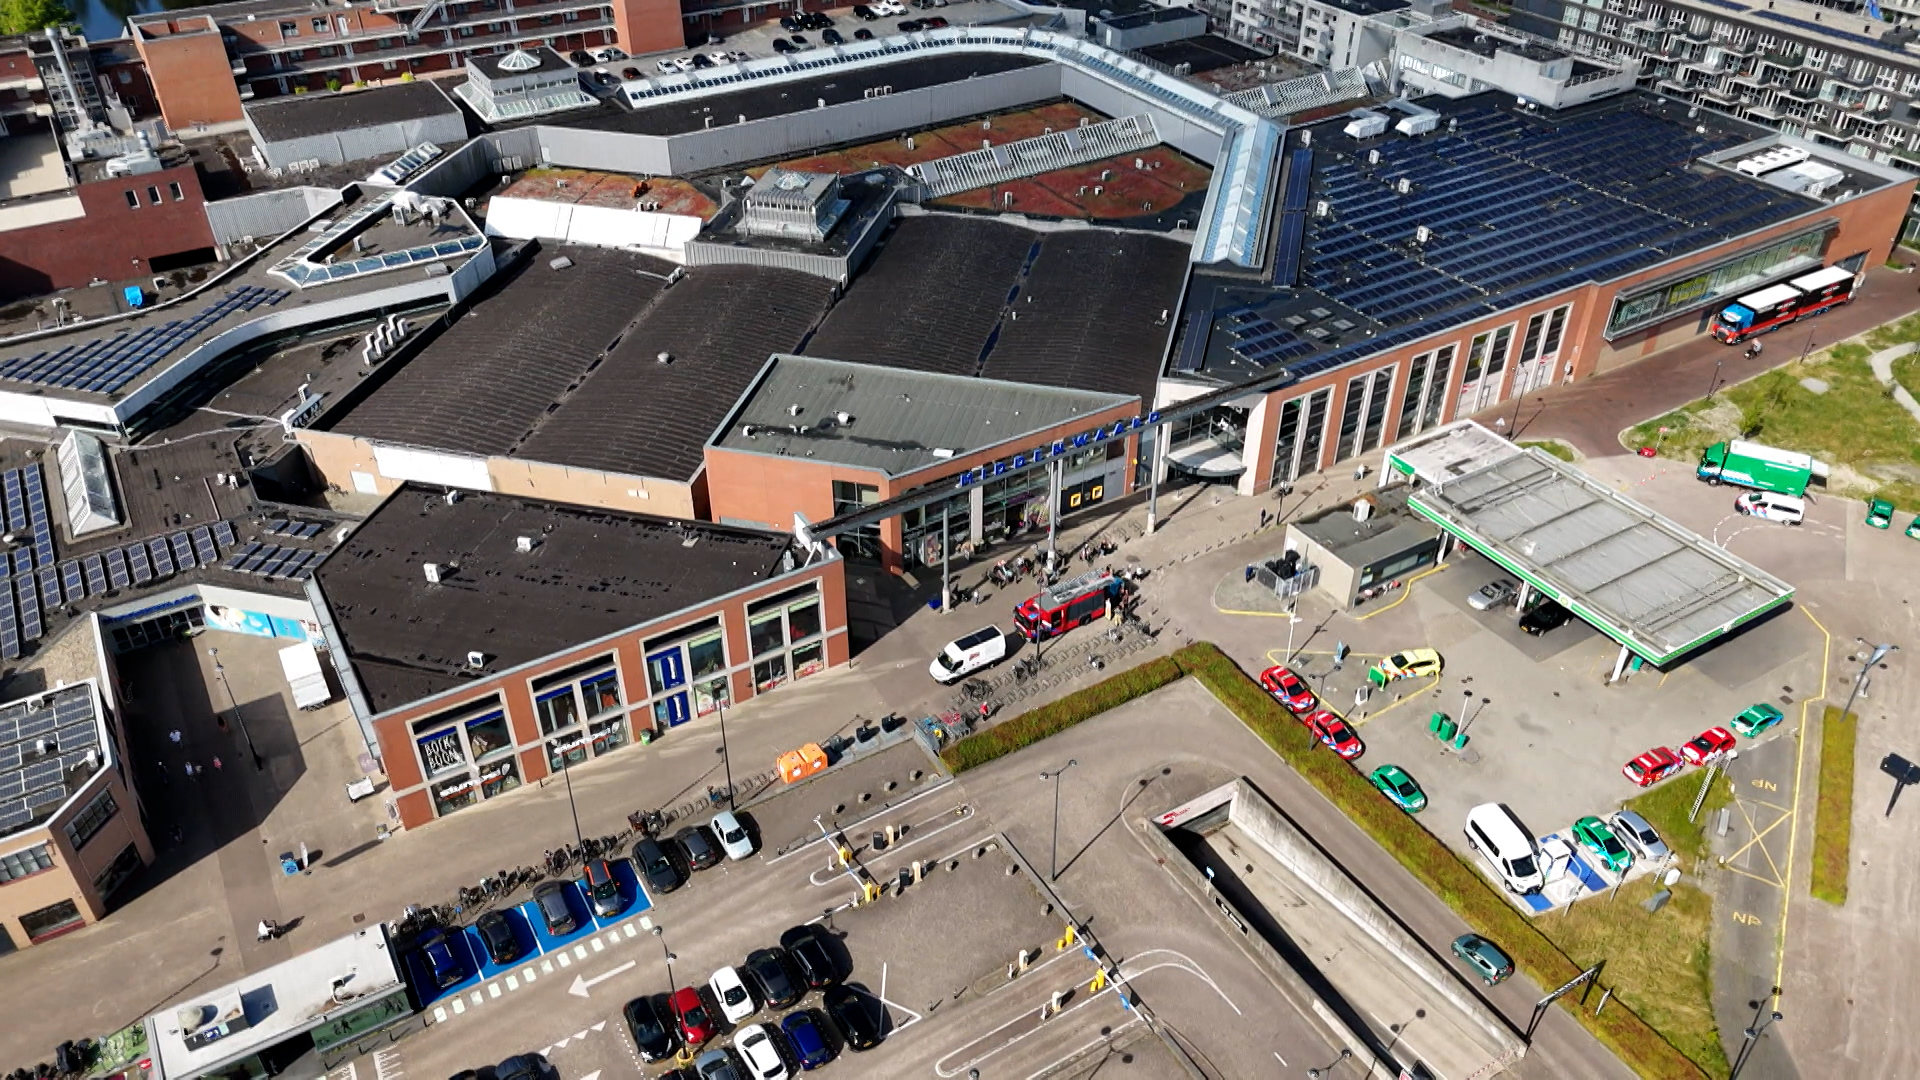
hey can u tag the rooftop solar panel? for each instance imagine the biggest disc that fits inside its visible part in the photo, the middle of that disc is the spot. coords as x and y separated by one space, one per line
162 558
183 550
236 560
96 570
117 575
203 546
50 597
223 533
73 579
137 560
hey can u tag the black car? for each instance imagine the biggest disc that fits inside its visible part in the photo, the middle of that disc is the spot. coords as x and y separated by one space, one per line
651 1028
551 899
526 1067
864 13
863 34
702 60
790 23
697 847
852 1013
819 20
767 970
908 26
935 23
832 37
1544 616
604 79
800 40
807 950
656 865
484 1072
580 59
780 45
497 931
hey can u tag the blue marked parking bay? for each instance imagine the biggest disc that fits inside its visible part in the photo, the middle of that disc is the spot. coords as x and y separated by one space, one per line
515 922
1588 877
1537 902
465 959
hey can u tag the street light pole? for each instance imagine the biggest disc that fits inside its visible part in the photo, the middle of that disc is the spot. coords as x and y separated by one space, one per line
238 718
571 805
1316 1074
726 759
1053 872
1877 654
1754 1031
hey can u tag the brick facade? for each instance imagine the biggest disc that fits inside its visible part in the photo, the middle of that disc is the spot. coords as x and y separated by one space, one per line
113 241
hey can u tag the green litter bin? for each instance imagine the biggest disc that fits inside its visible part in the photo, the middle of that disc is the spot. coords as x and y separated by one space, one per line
1434 722
1447 728
1460 741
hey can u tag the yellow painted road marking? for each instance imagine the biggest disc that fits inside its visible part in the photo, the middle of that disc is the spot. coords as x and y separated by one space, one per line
1406 587
1799 766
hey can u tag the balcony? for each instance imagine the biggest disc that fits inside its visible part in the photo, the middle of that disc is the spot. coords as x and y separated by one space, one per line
332 64
1784 61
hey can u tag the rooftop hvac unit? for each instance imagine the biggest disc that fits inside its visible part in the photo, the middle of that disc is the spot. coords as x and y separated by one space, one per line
1362 510
1322 208
1373 157
1404 186
432 571
476 660
523 544
1421 234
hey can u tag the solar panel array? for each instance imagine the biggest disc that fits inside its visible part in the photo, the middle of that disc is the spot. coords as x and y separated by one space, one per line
275 561
66 722
105 364
1516 208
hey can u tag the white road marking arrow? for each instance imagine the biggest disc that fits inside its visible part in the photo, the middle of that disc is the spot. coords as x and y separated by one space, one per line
582 984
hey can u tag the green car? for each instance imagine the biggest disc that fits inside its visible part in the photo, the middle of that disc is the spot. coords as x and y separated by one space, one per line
1396 785
1756 721
1880 513
1484 957
1913 530
1593 834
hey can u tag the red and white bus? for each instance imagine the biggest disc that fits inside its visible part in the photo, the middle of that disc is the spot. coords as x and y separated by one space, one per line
1067 605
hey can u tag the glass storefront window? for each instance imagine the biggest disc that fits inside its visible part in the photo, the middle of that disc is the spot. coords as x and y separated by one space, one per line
763 635
803 621
607 735
441 752
51 921
706 656
770 672
710 695
499 777
808 659
454 794
557 709
564 753
602 694
489 734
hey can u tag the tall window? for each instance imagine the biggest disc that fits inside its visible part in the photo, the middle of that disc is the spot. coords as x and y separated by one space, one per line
1363 415
91 819
1426 392
784 633
26 862
864 542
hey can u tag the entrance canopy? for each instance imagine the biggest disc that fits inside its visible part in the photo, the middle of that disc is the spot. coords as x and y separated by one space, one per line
1655 587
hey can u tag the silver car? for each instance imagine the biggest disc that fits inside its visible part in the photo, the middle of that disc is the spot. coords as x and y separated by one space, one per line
1493 594
1639 835
733 835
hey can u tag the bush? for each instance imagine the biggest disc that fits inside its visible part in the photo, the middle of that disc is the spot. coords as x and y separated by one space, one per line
1833 814
1434 864
1030 727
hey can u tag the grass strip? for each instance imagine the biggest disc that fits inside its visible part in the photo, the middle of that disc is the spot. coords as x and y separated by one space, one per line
1056 716
1833 814
1620 1028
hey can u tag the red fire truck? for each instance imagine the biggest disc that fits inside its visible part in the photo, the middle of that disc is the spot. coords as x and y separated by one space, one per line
1068 604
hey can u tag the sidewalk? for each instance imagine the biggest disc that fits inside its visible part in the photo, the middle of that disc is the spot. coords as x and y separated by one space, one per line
1591 414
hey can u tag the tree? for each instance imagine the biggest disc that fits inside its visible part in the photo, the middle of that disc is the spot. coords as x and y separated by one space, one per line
22 16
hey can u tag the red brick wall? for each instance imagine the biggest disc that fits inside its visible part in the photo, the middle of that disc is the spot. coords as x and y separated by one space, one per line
112 241
644 26
190 71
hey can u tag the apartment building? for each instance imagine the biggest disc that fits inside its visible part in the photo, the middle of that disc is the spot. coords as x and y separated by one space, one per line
1841 79
204 62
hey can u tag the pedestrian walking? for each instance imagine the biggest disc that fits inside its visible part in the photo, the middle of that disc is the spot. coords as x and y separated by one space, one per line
175 736
191 769
216 762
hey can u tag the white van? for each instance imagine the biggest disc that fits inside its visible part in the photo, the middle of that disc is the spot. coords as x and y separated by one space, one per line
1493 831
1773 506
964 656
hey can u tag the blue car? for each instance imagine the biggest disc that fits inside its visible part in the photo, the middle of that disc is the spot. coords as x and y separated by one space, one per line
809 1043
438 952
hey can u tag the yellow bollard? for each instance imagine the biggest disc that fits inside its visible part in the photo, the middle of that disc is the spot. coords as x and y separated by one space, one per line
1099 982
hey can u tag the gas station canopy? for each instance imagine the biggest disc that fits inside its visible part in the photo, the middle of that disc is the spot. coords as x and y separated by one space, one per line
1657 588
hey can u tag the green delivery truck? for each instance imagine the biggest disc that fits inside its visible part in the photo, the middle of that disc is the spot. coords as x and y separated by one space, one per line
1764 467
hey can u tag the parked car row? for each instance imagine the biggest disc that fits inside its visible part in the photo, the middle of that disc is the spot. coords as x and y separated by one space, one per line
1661 762
1335 733
771 978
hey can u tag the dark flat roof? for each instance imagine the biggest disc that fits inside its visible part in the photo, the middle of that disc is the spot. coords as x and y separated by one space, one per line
719 324
1521 205
964 295
550 60
591 573
677 116
1208 52
299 116
562 366
492 376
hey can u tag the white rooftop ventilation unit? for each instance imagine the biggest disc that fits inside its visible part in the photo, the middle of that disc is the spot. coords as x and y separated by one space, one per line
523 544
476 660
432 571
1777 158
1364 124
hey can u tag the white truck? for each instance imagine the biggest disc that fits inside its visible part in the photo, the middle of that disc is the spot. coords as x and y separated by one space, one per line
302 667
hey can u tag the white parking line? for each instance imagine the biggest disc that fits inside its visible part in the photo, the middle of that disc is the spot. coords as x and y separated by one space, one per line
493 990
459 1006
565 960
546 967
1053 1066
599 946
386 1065
579 952
439 1016
476 998
850 826
882 856
513 982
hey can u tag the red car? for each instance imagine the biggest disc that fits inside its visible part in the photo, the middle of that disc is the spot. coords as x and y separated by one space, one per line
1337 734
691 1015
1288 689
1714 740
1653 766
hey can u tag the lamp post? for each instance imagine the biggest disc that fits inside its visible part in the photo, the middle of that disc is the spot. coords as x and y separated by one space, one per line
1715 384
567 771
1761 1020
1053 872
1877 653
726 759
1316 1074
238 718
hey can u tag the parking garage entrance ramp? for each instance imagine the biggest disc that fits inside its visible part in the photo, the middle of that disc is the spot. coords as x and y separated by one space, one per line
1658 589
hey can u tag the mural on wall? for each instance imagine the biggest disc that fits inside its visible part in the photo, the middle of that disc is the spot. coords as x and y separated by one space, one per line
242 621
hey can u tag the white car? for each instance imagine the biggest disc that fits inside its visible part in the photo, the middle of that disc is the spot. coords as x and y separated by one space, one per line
683 63
736 1004
666 66
607 55
756 1048
1772 506
733 835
